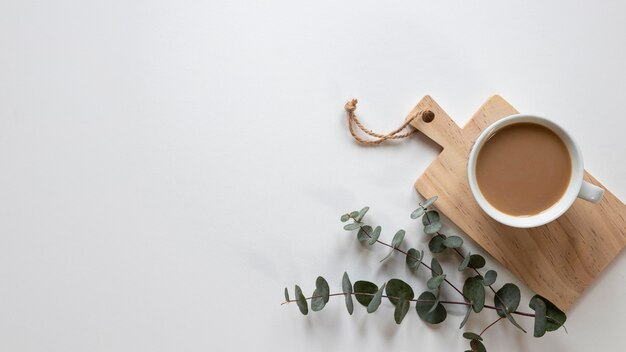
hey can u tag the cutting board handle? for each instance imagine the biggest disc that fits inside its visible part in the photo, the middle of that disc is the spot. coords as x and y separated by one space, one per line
440 127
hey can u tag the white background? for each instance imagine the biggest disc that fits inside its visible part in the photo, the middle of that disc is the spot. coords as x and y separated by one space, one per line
168 167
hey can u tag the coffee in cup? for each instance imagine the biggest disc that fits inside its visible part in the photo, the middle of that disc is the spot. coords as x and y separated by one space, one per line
525 171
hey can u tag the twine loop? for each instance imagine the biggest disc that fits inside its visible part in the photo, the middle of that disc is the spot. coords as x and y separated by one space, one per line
405 130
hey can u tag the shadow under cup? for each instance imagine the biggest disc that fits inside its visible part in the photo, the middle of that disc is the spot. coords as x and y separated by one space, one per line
557 208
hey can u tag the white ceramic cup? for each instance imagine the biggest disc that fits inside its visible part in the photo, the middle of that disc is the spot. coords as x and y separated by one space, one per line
576 188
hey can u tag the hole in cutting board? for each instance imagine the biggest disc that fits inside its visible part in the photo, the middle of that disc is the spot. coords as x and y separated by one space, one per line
428 116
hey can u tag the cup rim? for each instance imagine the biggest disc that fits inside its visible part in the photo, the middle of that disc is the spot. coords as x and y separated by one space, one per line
554 211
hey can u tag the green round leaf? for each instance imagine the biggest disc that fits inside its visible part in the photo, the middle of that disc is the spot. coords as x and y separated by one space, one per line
398 290
540 318
436 304
421 258
388 255
364 234
465 262
432 228
473 289
317 304
423 306
417 213
375 302
401 309
490 277
510 318
346 285
434 282
507 299
436 267
301 301
320 295
413 259
476 261
398 238
361 214
477 346
430 217
453 242
345 217
375 235
286 295
351 227
322 285
430 201
354 214
472 336
366 287
555 318
435 245
467 314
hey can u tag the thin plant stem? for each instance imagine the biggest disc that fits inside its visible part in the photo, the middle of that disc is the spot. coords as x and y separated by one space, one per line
463 257
467 301
475 270
412 300
490 325
455 249
424 264
384 296
418 259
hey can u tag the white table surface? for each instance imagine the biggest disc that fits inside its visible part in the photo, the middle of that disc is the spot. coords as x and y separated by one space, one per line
168 167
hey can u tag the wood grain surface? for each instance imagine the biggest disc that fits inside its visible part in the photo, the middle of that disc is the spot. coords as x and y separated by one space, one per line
558 260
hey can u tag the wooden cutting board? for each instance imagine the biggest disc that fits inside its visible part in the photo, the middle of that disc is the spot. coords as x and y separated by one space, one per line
558 260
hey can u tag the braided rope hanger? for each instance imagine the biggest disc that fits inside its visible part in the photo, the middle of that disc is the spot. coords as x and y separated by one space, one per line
406 128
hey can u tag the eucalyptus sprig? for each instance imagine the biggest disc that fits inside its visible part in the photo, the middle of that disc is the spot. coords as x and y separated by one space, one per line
430 308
